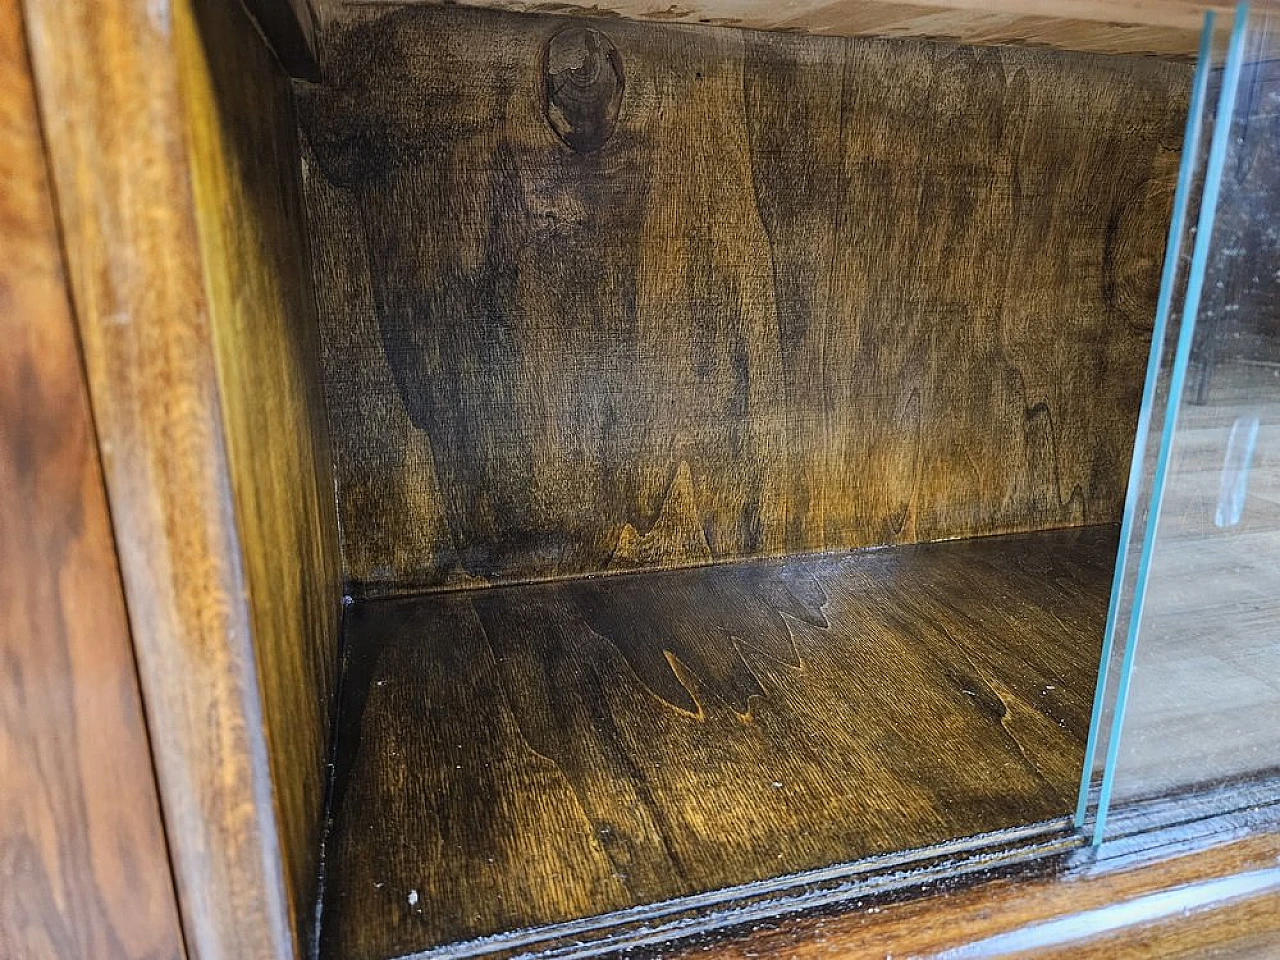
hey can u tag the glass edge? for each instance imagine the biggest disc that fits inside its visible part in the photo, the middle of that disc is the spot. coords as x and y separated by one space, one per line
1195 284
1168 280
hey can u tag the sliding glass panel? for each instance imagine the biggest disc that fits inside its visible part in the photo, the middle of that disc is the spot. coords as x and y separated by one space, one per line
1152 413
1195 622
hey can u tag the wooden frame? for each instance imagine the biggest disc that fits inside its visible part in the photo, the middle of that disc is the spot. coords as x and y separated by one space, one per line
1165 28
82 847
169 211
125 91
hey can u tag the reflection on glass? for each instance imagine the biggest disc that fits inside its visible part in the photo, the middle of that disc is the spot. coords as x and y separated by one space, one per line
1150 415
1196 612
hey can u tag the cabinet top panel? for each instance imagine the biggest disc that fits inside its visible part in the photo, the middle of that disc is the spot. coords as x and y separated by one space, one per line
1164 28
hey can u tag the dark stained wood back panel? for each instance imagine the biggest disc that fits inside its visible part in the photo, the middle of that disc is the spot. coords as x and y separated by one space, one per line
242 134
173 149
84 873
736 294
1169 28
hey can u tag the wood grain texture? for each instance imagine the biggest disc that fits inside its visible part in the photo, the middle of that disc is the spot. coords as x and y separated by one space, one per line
1243 928
526 755
188 273
84 873
242 136
989 919
1165 28
806 294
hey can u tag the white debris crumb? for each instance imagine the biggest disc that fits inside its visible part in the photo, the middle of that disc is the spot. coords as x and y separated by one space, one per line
413 898
777 784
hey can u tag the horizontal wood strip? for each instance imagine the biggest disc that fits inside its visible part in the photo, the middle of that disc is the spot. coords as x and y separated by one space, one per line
1165 28
955 922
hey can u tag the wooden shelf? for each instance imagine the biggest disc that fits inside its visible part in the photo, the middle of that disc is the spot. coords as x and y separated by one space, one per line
520 756
1166 28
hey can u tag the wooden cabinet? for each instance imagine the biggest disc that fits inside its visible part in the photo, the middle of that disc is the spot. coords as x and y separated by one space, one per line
84 870
583 483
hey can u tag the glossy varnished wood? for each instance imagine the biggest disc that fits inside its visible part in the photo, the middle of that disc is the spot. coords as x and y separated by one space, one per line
771 294
1234 928
172 163
246 183
1168 28
1181 882
526 755
84 874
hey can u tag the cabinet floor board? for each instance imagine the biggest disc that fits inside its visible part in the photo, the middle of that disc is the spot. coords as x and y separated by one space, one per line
519 756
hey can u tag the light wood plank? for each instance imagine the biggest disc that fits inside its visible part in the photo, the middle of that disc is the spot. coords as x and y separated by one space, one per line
1164 28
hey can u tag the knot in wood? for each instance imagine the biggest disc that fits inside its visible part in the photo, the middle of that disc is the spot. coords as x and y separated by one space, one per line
582 87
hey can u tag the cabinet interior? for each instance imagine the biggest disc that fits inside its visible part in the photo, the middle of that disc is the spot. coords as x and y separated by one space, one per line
729 431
